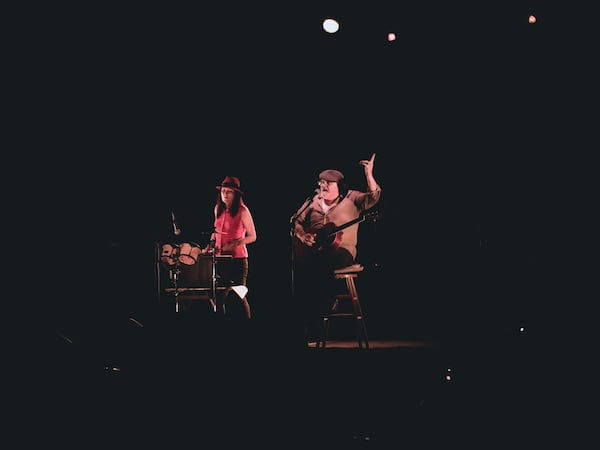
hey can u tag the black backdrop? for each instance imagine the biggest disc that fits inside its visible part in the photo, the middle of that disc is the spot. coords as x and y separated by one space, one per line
140 112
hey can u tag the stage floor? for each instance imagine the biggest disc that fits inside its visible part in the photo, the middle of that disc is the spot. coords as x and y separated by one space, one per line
178 383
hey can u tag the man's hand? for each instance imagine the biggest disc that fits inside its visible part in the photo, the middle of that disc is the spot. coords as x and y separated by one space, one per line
368 164
308 239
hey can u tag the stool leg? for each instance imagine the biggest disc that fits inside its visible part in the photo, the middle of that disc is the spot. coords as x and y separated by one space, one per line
357 315
322 341
361 330
325 324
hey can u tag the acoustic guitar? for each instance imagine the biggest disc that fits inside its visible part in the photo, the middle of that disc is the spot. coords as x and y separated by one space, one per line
329 236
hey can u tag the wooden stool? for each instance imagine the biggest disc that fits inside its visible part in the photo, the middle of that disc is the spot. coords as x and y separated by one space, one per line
355 312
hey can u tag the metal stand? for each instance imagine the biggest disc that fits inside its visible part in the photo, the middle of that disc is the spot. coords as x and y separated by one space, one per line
174 272
174 279
213 278
293 219
239 290
171 259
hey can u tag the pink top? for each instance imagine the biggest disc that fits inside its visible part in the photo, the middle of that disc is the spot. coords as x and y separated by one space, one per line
230 228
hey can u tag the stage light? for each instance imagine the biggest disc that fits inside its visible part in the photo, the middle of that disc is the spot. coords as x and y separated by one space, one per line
331 25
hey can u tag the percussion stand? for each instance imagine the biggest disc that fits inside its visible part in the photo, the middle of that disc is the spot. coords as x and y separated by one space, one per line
175 280
213 278
173 274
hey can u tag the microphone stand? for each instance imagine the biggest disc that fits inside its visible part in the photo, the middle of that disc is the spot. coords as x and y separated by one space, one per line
303 208
294 300
213 274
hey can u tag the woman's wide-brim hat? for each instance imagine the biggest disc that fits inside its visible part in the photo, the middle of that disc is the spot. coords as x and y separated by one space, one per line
231 183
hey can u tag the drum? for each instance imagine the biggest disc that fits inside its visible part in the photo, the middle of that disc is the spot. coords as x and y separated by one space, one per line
197 275
189 253
168 254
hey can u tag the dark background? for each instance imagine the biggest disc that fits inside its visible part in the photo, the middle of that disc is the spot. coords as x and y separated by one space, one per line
479 121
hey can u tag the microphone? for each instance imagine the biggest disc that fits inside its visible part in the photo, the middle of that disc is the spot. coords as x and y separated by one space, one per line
176 229
304 205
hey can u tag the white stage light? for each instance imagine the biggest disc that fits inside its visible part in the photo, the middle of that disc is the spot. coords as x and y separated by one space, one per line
331 25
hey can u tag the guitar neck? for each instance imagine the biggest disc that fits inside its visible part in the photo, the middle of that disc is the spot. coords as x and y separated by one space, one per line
346 225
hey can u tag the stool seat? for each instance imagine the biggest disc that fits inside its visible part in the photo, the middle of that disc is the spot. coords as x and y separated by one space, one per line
350 269
355 312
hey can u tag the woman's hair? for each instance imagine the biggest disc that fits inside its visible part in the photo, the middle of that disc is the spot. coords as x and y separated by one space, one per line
237 202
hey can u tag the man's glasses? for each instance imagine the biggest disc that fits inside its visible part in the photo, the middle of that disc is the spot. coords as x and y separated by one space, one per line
320 182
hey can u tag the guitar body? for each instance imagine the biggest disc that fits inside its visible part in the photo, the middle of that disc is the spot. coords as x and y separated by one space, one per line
328 236
325 237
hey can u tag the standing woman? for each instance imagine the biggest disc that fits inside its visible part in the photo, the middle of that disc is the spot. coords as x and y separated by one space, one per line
234 230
